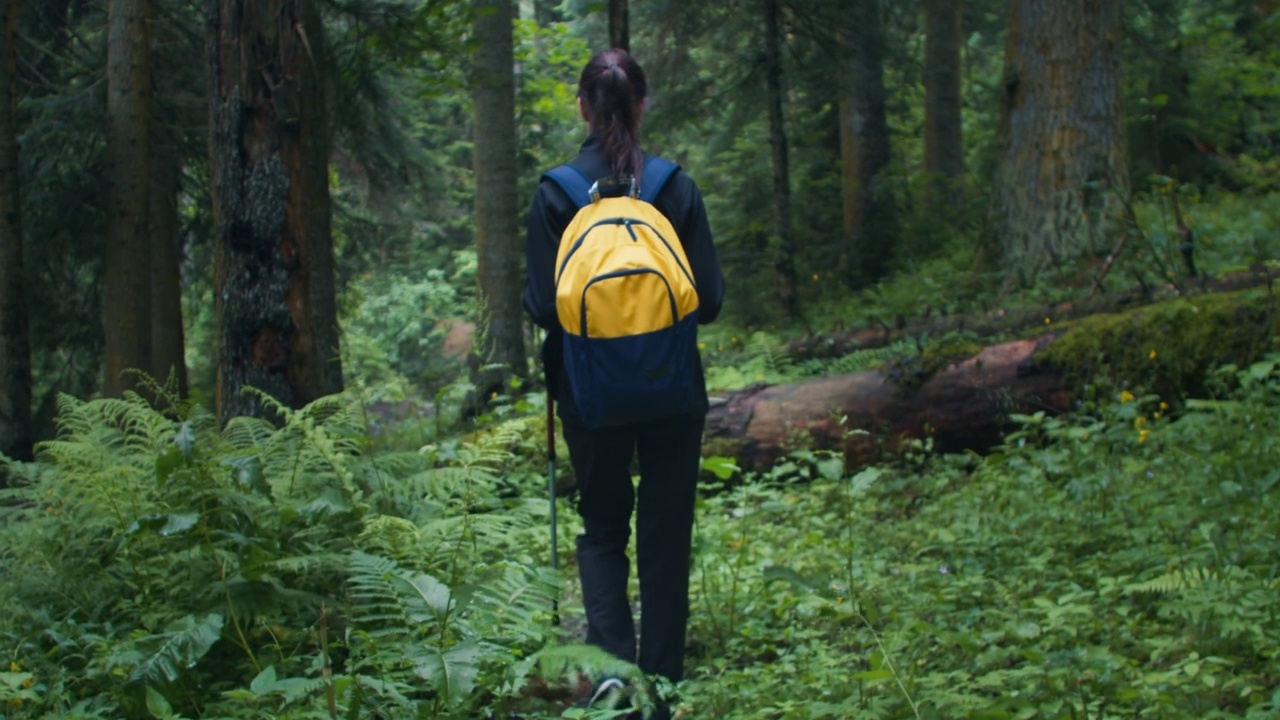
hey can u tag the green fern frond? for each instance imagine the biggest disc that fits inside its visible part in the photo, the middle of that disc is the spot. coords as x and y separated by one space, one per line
1175 581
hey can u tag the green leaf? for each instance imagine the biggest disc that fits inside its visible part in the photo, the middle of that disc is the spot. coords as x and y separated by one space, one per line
167 463
452 672
181 646
874 675
434 593
180 522
787 575
185 440
262 683
720 466
157 704
865 479
831 468
247 471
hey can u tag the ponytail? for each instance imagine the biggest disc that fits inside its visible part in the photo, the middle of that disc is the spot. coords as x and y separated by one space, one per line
612 88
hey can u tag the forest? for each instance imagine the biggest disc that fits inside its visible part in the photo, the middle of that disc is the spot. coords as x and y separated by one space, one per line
993 429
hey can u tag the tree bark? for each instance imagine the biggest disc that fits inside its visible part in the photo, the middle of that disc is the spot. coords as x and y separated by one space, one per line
126 296
782 244
963 406
1063 181
943 138
15 338
168 344
619 26
269 152
498 248
870 216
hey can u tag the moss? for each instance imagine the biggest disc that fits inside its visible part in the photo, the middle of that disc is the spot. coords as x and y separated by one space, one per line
1169 347
948 350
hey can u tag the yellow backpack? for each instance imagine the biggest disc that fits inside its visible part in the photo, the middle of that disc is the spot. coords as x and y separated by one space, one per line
627 301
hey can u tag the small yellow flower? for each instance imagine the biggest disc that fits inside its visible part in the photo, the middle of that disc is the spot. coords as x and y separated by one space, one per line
1156 415
1126 397
815 277
1142 420
1047 321
1164 405
1153 354
1142 435
14 666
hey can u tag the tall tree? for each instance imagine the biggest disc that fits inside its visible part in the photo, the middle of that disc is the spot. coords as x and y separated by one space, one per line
15 351
870 214
127 298
167 336
179 85
943 139
1063 179
619 25
269 153
782 244
498 246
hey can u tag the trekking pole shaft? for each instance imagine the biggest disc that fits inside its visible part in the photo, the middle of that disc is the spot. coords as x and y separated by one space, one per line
551 493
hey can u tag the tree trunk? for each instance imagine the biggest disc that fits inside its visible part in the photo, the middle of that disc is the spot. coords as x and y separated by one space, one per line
963 406
15 348
943 140
167 335
127 298
1062 183
782 244
498 248
870 215
619 27
269 151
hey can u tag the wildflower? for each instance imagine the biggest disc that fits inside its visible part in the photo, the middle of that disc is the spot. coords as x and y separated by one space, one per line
1126 397
1152 356
1142 436
1047 321
1164 405
943 570
815 277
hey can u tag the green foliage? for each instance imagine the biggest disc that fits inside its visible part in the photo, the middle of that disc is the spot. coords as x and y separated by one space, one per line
1119 561
165 567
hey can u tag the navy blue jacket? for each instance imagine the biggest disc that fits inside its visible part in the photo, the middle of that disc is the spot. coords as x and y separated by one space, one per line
680 201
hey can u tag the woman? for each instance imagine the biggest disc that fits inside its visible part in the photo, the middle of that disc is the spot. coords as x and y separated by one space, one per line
612 96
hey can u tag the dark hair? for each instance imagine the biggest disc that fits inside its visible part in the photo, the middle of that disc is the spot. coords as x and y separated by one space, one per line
612 87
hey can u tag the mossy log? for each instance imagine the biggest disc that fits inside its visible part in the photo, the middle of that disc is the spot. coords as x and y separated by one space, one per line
838 343
867 413
965 403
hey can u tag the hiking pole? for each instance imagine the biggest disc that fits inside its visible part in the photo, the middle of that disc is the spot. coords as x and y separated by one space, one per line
551 487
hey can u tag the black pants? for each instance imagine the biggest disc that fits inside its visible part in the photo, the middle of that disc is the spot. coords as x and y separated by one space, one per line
669 452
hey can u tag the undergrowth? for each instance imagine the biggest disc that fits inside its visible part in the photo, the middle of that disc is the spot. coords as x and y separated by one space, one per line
1117 562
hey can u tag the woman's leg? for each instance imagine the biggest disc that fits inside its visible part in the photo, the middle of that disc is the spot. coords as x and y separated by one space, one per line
602 465
670 452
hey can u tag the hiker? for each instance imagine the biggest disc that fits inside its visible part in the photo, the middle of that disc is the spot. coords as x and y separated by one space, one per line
612 96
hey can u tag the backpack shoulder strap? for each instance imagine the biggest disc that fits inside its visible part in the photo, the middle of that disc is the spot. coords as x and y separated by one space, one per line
573 182
656 173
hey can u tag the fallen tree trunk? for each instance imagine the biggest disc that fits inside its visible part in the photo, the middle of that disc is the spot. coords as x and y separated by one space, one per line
1168 348
864 414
